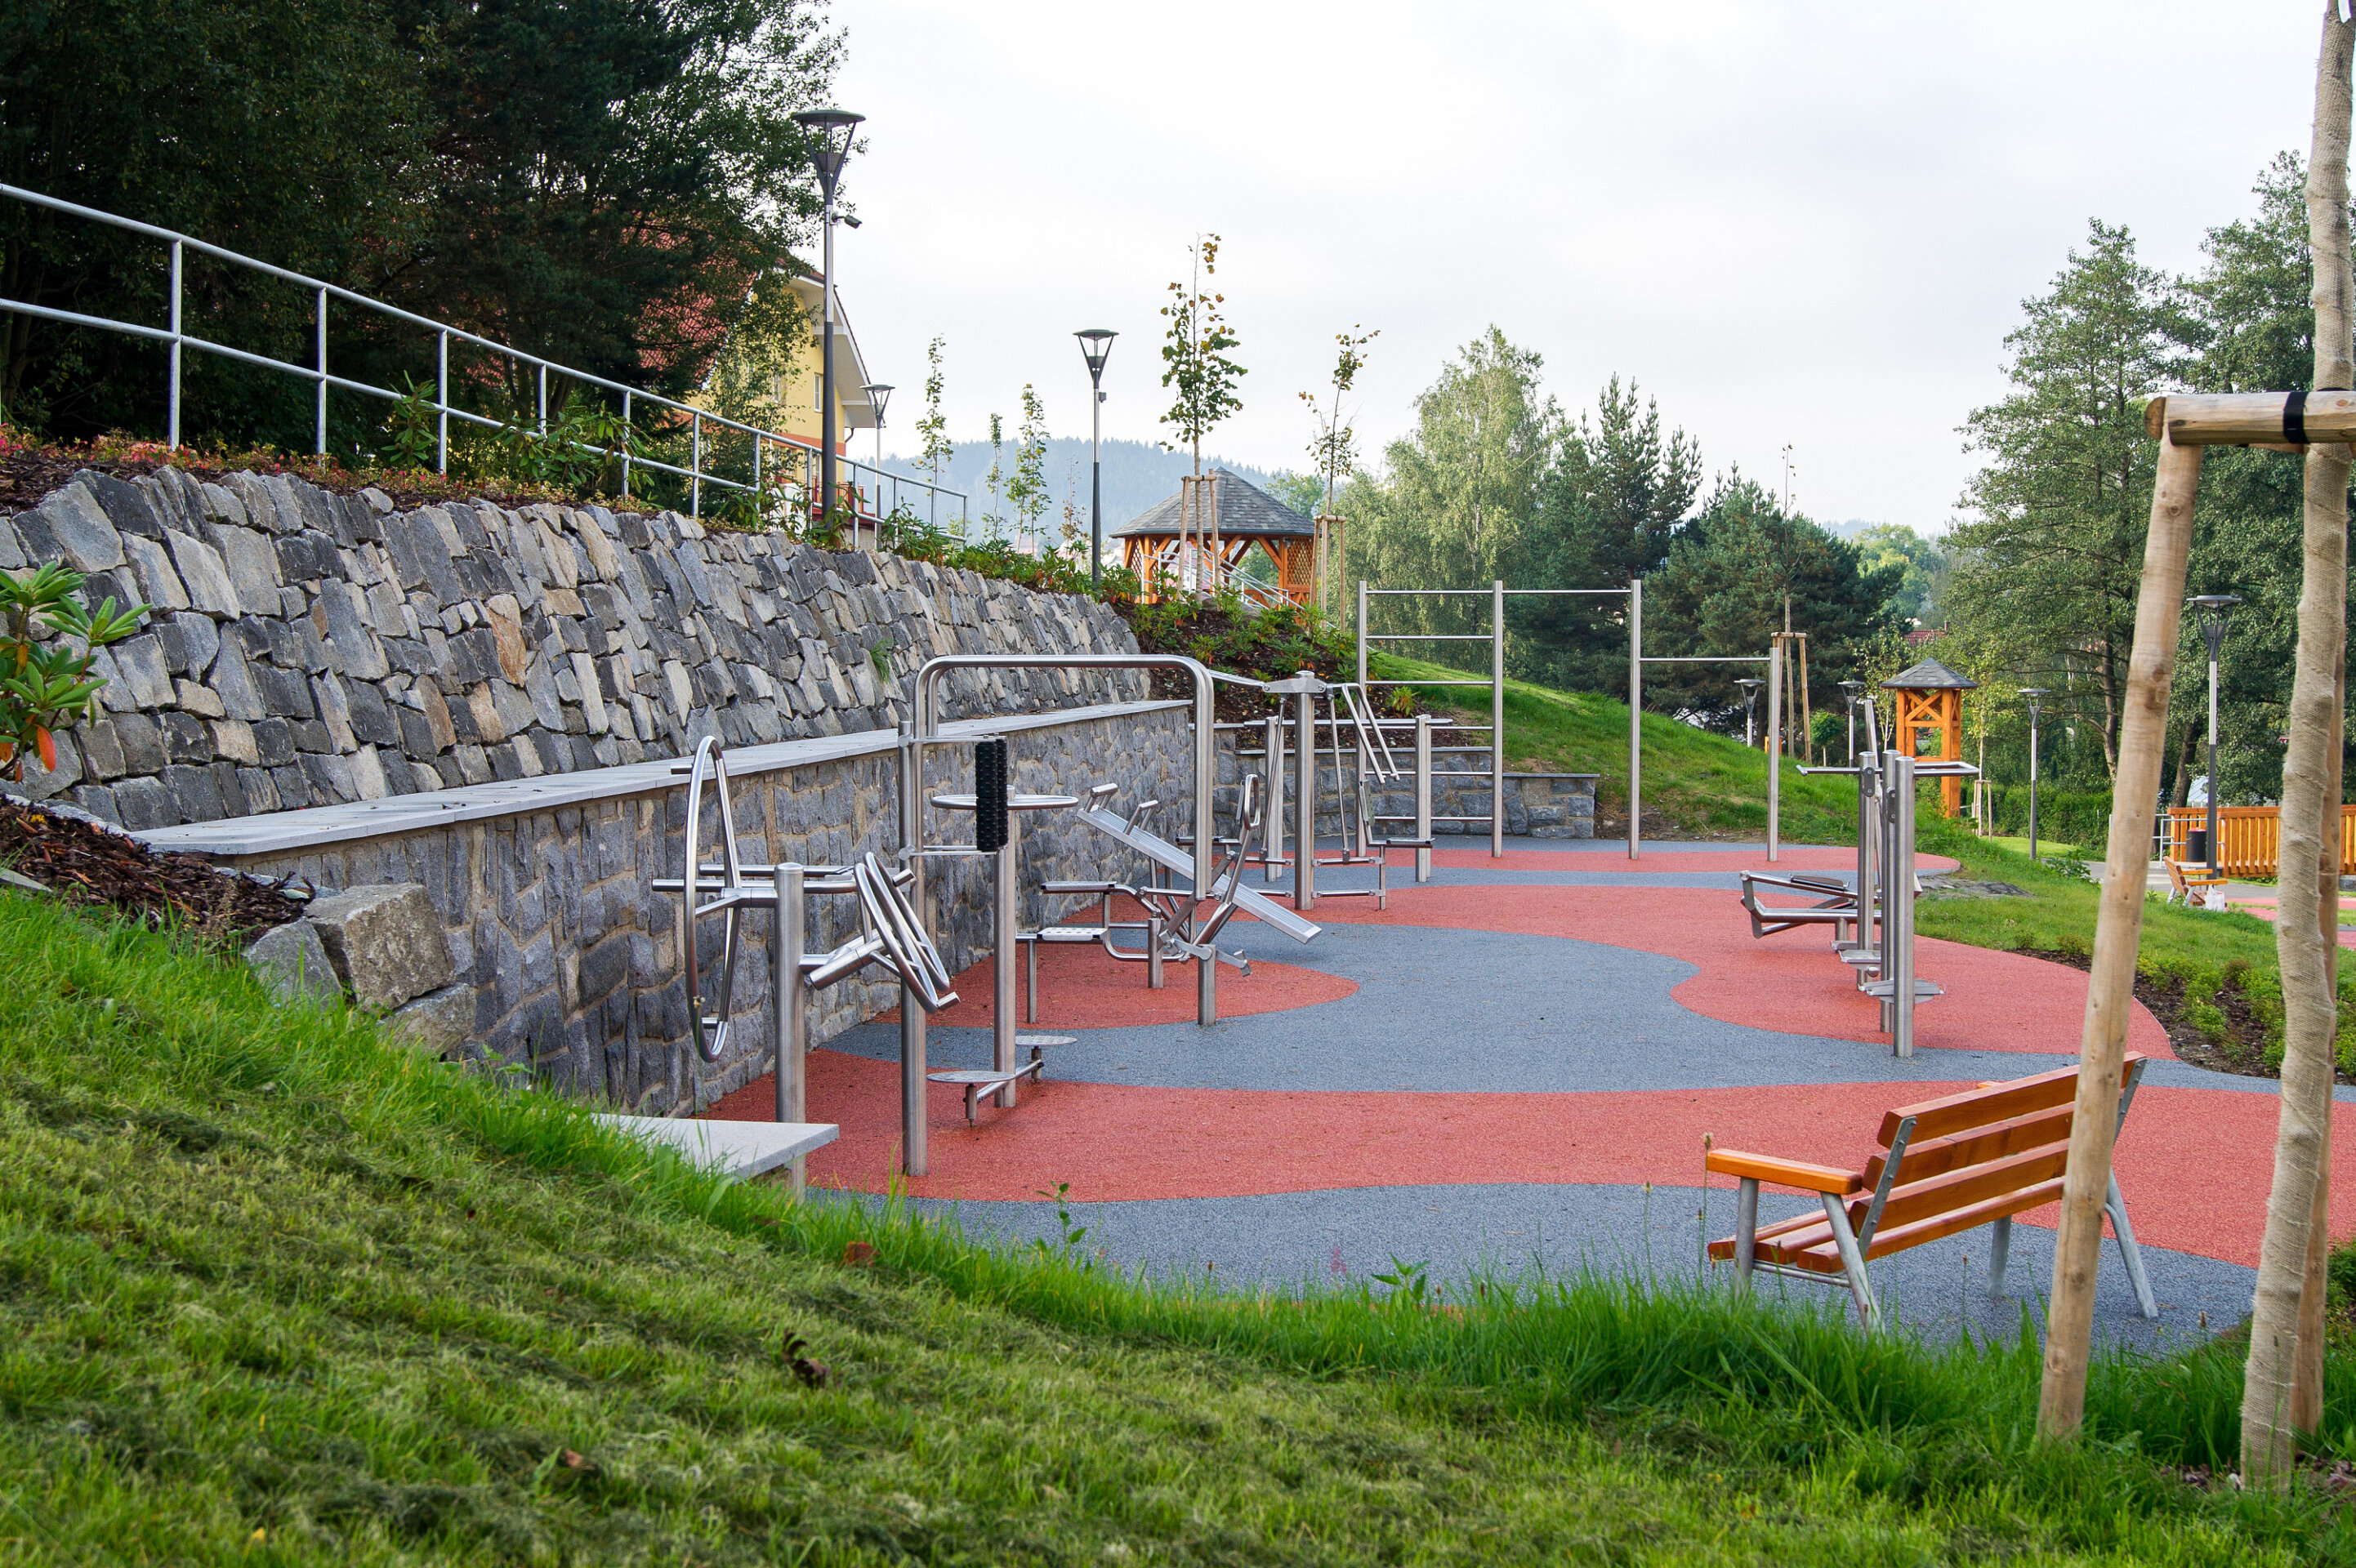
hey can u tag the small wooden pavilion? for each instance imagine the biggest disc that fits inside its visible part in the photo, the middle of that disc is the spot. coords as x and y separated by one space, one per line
1930 696
1203 536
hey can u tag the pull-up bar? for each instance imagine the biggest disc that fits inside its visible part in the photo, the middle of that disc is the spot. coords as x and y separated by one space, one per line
1497 593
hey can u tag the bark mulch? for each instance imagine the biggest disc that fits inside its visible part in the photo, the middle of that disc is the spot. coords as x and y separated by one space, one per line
86 864
2244 1052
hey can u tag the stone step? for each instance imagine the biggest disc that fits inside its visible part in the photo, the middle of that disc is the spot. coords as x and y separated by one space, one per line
738 1149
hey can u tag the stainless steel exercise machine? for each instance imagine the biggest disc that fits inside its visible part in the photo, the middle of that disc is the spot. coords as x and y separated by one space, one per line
723 888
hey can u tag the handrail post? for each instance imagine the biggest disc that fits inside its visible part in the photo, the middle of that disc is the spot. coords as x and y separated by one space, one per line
695 465
442 403
321 417
172 427
627 428
543 399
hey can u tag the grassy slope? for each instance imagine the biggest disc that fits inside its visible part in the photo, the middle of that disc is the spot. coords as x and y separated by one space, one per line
273 1291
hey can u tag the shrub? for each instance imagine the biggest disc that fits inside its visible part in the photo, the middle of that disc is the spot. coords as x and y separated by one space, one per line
47 644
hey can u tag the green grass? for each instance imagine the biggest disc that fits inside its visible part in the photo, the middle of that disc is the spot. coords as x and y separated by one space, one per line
2045 847
274 1291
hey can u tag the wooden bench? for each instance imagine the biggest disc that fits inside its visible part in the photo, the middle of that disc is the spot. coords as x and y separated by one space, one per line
1945 1167
2182 883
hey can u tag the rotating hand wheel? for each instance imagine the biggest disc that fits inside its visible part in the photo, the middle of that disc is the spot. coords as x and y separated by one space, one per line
710 893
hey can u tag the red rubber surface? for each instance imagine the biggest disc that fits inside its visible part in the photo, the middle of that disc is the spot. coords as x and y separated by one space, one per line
2195 1163
1087 988
1794 858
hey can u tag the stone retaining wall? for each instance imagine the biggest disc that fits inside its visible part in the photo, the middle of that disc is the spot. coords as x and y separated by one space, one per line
575 961
314 649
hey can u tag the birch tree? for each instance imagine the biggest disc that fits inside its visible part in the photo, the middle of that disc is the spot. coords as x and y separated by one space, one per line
2282 1383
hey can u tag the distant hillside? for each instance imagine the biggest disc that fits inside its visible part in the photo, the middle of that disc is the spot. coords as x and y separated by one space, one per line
1136 476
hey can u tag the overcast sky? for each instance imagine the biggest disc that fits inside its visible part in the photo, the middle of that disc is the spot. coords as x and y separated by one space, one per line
1803 223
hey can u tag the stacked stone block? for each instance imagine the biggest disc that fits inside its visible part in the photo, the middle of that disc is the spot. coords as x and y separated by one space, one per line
310 649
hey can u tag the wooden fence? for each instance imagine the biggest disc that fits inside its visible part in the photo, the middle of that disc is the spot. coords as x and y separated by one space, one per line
2249 837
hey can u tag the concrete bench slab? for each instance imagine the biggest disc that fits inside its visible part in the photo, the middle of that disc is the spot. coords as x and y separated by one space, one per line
738 1149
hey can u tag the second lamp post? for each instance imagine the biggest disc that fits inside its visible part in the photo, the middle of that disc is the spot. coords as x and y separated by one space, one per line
2213 608
1095 347
832 129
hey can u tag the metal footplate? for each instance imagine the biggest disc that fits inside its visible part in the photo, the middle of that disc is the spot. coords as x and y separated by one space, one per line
1886 988
980 1083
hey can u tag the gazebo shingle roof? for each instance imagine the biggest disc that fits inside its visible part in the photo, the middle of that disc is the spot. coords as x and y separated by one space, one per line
1930 676
1245 511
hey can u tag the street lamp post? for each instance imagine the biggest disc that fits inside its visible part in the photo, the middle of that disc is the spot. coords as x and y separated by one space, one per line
1849 690
1095 347
2212 607
832 129
878 394
2032 693
1749 685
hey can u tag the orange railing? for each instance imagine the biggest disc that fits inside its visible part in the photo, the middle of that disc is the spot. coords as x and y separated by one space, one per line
2249 837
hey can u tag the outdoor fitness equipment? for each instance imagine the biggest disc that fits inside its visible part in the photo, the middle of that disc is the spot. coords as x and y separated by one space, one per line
997 833
1373 762
1879 911
721 890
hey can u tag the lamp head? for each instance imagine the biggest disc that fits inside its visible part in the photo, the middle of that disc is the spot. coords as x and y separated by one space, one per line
2216 603
830 132
1095 347
1749 685
2032 693
878 394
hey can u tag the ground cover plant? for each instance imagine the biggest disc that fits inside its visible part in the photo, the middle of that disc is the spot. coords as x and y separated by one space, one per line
274 1290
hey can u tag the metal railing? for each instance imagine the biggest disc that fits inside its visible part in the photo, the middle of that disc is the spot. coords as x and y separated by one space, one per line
870 491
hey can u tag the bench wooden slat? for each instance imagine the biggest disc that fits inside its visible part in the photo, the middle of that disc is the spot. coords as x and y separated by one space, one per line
1967 1188
1928 1158
1978 1107
1952 1222
1785 1172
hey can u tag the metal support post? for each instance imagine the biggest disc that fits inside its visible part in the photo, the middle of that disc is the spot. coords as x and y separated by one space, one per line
1362 632
1746 1229
913 1151
172 412
442 403
1304 793
1271 853
1774 744
1498 719
695 469
1898 920
1635 715
319 413
793 1012
1423 796
543 399
1003 900
627 427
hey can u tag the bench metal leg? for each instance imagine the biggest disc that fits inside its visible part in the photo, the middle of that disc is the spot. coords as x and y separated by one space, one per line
1853 1262
2000 1252
2116 1206
1746 1230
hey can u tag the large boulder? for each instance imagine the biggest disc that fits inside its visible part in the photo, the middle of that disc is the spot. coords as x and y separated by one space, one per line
293 963
438 1022
386 942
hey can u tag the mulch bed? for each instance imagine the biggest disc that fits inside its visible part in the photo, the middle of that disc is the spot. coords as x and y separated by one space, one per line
90 865
2244 1050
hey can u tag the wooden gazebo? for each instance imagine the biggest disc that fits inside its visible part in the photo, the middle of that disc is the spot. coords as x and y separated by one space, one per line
1930 696
1202 537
